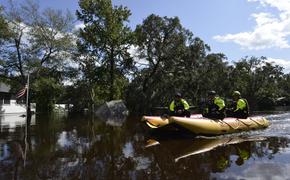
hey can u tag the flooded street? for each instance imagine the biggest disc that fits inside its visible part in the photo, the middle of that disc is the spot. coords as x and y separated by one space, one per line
60 146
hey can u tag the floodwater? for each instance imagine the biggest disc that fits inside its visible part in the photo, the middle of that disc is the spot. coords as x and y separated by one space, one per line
60 146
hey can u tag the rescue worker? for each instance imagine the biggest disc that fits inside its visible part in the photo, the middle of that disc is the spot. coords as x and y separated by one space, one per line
179 106
240 107
215 107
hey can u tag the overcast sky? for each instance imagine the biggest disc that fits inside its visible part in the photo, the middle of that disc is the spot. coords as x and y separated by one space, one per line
237 28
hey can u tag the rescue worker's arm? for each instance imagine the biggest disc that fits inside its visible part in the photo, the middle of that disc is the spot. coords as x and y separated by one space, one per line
185 104
241 104
220 103
205 111
171 107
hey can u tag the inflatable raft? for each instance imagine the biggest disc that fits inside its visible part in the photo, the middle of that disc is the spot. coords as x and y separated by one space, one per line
200 125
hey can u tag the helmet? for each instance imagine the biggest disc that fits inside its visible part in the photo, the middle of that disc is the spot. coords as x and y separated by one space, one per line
177 94
211 93
236 93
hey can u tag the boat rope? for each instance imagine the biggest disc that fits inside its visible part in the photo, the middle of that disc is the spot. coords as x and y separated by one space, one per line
243 122
261 124
229 124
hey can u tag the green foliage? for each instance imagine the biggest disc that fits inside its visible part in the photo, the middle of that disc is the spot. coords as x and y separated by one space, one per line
46 92
162 45
85 95
40 44
104 45
167 58
177 61
258 81
4 29
77 95
4 36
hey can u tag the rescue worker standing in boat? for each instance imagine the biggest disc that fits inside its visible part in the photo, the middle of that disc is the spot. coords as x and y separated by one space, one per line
215 107
240 107
179 106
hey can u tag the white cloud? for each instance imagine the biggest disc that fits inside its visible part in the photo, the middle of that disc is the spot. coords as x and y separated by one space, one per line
281 62
258 170
270 31
281 5
141 63
78 26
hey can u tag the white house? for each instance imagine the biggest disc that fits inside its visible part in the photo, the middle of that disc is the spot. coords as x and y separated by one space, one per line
8 103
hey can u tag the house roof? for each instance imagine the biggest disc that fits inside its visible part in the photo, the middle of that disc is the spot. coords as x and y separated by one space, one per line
4 87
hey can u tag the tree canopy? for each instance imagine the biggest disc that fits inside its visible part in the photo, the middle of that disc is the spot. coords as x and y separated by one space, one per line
105 60
40 44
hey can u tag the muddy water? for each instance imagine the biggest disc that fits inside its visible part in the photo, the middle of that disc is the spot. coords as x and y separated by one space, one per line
60 146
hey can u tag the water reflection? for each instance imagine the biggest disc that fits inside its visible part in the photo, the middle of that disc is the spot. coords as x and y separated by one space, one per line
268 160
186 148
59 146
12 122
210 157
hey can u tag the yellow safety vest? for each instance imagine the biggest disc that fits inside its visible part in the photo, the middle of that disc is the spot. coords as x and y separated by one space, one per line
183 102
241 105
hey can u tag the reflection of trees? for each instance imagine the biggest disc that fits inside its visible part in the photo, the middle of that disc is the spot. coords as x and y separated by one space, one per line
271 147
16 148
78 148
216 160
90 149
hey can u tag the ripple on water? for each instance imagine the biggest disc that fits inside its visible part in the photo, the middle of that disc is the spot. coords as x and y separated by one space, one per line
279 125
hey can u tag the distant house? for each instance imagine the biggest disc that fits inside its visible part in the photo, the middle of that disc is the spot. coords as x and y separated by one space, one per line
5 95
8 103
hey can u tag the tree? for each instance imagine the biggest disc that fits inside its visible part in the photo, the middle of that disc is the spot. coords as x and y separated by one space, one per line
4 30
258 81
104 44
4 35
158 40
212 75
47 91
40 44
171 57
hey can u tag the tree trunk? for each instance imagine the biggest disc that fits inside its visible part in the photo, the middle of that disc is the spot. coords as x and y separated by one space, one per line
112 75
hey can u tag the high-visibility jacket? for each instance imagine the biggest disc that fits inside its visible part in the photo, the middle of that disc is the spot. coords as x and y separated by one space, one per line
219 102
242 105
177 104
215 105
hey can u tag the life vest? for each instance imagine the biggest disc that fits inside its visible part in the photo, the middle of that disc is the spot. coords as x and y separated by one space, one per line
242 105
176 105
215 105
